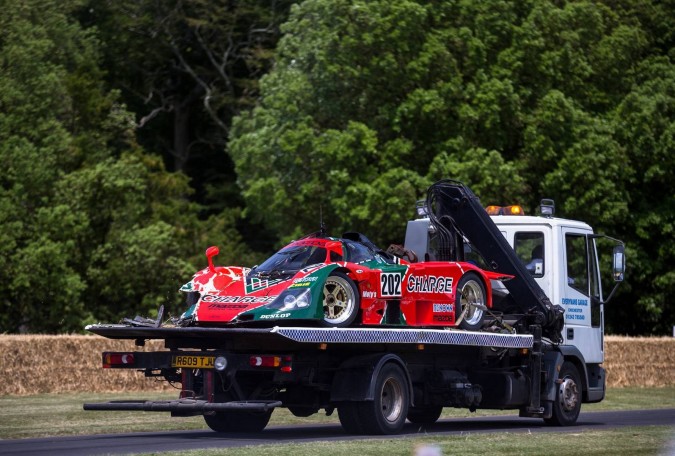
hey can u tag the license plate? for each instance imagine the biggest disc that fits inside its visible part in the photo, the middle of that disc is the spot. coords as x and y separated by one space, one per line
193 362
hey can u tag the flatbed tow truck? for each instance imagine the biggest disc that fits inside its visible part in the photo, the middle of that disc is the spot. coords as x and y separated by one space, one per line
529 356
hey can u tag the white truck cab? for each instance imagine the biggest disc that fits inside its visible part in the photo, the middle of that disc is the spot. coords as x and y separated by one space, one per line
562 258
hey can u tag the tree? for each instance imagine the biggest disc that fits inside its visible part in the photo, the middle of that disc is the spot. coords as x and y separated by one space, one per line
363 99
185 68
91 226
370 101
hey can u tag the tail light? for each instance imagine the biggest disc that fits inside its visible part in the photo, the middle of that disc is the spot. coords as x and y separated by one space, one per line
111 360
281 362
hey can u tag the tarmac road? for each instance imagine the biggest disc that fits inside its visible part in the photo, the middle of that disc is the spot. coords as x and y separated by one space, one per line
147 442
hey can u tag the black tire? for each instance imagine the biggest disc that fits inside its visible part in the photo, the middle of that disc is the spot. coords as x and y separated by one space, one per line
424 415
238 421
471 292
302 412
567 404
348 412
385 414
341 301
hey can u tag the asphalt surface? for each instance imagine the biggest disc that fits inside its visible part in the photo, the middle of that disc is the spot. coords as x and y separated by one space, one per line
157 442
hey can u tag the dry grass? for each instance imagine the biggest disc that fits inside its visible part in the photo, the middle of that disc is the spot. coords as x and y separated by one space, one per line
58 364
640 361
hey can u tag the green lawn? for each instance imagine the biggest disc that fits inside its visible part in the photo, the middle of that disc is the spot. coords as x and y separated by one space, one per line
653 440
62 414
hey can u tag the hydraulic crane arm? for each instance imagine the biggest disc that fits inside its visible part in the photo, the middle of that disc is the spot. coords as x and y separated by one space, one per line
456 214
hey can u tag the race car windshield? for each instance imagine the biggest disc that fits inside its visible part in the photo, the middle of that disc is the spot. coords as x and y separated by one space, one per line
293 258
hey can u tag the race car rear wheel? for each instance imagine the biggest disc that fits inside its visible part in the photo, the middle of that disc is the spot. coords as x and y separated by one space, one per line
471 299
238 421
340 301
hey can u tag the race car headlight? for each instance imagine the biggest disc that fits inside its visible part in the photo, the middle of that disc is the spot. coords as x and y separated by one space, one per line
292 299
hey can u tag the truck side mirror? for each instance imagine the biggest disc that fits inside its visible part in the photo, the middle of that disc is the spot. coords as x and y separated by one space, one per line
619 267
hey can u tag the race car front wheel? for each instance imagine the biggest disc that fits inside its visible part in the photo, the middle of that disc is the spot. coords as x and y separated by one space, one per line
471 299
340 301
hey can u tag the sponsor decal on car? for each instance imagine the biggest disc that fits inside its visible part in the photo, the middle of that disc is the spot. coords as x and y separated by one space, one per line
369 294
242 299
443 308
390 284
303 282
258 284
306 279
273 316
429 284
214 305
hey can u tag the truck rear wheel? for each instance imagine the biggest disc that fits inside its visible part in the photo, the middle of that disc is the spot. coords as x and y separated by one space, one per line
424 415
238 421
567 404
471 300
348 412
385 414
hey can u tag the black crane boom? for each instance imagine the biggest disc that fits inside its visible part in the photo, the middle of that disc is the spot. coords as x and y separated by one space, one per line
456 214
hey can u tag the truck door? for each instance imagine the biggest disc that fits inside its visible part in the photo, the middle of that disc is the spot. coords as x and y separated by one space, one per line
580 296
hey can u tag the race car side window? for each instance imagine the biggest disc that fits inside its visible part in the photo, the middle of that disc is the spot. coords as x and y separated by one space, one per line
357 253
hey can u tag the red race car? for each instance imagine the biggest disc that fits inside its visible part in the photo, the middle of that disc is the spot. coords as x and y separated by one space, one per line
339 282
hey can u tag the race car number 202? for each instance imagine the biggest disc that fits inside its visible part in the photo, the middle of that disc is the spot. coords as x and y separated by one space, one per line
193 362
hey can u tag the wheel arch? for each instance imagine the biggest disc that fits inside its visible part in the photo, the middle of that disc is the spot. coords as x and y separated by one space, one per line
485 277
356 377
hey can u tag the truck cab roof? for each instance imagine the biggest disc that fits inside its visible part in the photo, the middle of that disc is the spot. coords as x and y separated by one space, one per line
538 220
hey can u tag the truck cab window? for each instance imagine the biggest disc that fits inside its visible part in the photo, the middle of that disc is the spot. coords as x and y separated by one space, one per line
529 247
577 262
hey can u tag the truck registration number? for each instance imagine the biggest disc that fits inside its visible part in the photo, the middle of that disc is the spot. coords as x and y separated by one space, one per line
194 362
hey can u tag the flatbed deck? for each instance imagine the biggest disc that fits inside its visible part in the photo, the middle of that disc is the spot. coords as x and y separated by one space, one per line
303 335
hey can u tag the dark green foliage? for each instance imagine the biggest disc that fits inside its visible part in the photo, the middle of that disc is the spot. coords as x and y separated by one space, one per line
91 226
365 103
370 101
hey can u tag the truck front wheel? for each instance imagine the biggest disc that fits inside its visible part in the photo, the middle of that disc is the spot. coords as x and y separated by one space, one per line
238 421
567 404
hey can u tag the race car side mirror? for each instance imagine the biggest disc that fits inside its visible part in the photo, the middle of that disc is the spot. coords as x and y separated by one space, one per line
210 253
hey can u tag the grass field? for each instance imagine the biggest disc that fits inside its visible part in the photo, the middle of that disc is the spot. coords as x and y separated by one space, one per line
62 414
654 440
